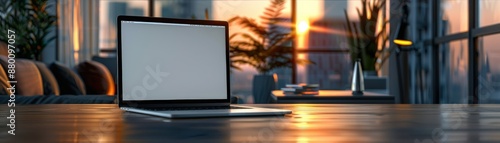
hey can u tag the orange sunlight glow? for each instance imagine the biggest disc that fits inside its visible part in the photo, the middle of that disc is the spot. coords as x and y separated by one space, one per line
302 140
303 121
303 26
328 30
76 28
301 56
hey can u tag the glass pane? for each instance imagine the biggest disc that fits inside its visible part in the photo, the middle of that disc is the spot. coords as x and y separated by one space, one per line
330 70
454 16
489 74
489 12
454 64
326 32
241 80
108 11
187 9
322 24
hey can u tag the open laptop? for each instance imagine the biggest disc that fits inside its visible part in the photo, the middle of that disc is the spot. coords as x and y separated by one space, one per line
177 68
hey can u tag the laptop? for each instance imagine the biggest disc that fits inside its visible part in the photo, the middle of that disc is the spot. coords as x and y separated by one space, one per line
177 68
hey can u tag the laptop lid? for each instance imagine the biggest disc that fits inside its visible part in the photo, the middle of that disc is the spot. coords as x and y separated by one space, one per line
168 62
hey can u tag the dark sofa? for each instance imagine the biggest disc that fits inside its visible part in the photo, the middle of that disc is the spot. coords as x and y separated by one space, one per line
38 83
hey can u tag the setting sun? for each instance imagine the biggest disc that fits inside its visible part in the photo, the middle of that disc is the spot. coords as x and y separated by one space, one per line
303 26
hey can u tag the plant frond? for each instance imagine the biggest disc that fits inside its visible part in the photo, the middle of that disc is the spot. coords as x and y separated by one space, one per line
263 46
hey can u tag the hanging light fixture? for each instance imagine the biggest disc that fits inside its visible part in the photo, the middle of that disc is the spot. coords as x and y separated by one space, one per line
401 39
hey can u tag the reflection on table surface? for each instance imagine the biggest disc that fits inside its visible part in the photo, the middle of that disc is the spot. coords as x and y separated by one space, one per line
279 93
307 123
336 97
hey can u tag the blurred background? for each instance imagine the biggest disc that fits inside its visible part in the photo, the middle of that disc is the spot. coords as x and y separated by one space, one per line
454 41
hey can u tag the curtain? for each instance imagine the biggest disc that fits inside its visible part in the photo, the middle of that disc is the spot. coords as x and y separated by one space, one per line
78 30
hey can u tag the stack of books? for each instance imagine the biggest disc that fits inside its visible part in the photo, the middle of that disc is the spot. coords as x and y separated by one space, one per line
301 89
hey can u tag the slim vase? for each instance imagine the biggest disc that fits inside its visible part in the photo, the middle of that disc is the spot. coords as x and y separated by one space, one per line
358 83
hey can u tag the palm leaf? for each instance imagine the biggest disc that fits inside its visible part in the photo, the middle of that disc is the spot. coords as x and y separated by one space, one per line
263 46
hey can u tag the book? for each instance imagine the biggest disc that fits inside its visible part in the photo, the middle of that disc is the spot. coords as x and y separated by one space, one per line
301 89
288 89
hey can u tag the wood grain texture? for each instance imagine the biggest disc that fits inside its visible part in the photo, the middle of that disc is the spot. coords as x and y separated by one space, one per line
308 123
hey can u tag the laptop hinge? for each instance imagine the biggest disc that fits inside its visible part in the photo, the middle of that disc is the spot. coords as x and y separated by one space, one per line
169 105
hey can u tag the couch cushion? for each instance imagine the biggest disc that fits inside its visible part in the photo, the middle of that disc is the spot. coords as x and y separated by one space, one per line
50 86
4 84
29 80
110 63
3 49
69 82
96 77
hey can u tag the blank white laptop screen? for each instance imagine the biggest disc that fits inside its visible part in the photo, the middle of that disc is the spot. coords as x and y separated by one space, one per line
168 61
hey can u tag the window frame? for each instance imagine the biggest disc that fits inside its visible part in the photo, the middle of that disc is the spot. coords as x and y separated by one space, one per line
474 32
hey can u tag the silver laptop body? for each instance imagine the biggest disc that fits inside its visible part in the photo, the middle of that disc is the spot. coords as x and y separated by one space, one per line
176 68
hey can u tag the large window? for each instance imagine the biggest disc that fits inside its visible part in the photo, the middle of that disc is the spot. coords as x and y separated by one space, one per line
466 77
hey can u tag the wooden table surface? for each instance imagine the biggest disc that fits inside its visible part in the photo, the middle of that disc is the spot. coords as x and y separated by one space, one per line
308 123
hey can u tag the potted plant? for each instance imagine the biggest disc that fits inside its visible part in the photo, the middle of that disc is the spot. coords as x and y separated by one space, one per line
32 24
364 37
265 47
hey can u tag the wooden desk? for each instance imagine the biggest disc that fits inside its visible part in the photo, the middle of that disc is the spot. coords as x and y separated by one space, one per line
336 96
308 123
